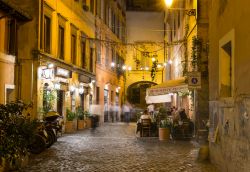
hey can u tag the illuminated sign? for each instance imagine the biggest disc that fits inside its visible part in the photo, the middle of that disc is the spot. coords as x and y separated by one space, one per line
63 72
47 73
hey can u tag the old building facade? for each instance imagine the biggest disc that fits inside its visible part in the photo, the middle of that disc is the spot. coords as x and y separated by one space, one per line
229 91
56 66
110 63
186 39
11 19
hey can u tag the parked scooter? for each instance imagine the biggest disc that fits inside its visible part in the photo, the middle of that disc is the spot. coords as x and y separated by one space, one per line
53 121
47 132
40 140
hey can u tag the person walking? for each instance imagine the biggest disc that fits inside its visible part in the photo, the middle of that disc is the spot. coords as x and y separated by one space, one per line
126 112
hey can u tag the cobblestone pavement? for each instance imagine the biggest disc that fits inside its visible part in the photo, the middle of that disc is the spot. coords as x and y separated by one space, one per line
115 147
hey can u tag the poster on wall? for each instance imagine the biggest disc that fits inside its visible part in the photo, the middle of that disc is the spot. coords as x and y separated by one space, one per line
214 121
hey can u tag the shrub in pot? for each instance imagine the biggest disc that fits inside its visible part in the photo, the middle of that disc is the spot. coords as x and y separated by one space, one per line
164 129
16 133
80 118
69 125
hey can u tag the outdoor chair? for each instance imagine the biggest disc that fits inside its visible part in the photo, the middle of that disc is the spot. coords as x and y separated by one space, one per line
145 127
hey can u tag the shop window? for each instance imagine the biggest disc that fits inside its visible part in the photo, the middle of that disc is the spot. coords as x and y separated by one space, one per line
73 49
61 43
47 34
73 102
11 39
9 93
90 99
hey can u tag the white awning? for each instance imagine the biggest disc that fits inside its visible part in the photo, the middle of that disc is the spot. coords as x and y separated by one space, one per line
170 86
158 99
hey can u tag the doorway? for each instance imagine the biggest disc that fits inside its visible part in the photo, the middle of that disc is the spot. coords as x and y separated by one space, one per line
60 100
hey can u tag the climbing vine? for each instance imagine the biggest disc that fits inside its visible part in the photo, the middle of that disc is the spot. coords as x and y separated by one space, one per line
185 61
196 54
154 69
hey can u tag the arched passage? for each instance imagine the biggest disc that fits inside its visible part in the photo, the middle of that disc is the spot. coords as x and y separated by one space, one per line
136 93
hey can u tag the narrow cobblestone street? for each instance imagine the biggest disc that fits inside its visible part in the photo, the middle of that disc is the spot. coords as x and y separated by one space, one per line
115 147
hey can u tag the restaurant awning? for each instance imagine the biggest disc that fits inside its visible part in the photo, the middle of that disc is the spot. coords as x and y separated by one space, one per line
160 93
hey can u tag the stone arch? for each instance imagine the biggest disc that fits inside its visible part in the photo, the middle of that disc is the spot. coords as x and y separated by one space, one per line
136 93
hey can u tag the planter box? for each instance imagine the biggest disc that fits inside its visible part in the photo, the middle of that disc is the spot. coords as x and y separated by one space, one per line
69 127
80 124
88 122
164 134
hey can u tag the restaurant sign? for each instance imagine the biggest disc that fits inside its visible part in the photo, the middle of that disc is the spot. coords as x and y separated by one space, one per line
84 79
63 72
166 90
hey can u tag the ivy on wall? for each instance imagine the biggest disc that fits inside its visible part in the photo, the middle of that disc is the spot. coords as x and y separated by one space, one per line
154 69
196 54
185 61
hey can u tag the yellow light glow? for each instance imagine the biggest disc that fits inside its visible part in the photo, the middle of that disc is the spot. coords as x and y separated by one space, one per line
168 2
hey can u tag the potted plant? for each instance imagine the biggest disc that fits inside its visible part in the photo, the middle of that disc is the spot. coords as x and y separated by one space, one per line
164 129
69 125
80 118
17 131
87 116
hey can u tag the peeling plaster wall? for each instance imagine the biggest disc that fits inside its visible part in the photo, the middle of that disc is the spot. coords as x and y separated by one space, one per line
229 117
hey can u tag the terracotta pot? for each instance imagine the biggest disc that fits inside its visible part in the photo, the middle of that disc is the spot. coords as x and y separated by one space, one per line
80 124
164 134
69 127
88 123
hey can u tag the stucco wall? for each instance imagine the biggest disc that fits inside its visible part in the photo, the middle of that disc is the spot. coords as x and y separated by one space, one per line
231 149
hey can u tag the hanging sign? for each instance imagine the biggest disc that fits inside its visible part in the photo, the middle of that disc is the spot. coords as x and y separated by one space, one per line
194 80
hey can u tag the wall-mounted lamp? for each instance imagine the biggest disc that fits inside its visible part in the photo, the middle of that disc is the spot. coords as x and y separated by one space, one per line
50 65
189 12
81 90
112 64
72 88
57 86
124 67
168 2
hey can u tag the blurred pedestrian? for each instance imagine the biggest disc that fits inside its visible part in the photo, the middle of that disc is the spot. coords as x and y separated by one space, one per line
126 112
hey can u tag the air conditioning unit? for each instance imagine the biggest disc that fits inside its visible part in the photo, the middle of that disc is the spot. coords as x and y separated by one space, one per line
85 8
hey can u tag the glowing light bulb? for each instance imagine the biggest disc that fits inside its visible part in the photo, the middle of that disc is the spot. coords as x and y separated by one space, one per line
168 2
